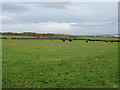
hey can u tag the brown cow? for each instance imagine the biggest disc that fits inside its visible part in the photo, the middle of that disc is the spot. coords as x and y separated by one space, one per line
109 41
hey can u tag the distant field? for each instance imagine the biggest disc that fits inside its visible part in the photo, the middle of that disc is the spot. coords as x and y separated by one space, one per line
12 36
100 38
73 37
57 64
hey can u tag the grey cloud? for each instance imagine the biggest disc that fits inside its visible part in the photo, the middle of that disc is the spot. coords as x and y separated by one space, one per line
88 16
119 12
76 12
13 7
55 5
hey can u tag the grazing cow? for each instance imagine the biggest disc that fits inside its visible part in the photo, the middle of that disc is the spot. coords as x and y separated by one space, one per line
3 38
70 40
109 41
63 40
93 40
13 38
86 41
106 41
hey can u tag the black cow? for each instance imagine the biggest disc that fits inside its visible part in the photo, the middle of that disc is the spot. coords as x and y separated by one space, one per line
3 38
70 40
86 41
63 40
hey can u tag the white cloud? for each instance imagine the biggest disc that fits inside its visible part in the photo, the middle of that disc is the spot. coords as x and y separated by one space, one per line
48 27
95 23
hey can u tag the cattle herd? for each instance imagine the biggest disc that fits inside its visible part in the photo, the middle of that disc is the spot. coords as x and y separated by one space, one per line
87 40
63 39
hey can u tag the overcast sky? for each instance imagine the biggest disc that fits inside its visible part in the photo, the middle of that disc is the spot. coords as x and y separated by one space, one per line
61 17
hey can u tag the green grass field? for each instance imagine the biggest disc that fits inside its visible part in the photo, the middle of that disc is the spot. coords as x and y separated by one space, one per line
16 36
100 38
57 64
74 37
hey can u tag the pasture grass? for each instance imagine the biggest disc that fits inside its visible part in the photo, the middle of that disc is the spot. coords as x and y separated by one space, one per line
57 64
72 37
100 38
16 36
